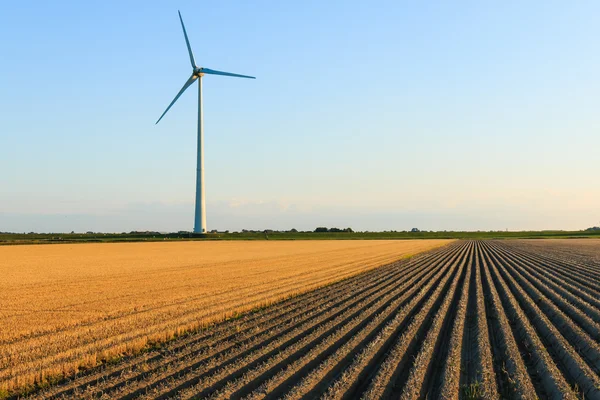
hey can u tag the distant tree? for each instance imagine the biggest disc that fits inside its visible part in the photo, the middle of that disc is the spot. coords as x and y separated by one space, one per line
293 230
415 230
321 229
349 230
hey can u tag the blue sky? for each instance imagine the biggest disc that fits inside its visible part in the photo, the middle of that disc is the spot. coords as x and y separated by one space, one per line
375 115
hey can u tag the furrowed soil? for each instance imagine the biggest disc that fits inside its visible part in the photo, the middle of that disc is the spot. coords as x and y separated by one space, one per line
473 320
71 307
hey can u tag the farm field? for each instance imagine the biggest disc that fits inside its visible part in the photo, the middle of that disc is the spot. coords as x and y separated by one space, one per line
68 307
474 319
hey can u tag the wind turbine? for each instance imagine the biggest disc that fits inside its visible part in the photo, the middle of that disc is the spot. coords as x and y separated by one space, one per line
197 74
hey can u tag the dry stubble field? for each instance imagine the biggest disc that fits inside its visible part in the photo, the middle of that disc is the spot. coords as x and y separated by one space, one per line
65 308
474 320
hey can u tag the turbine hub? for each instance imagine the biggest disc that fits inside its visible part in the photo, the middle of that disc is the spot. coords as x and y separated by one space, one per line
198 72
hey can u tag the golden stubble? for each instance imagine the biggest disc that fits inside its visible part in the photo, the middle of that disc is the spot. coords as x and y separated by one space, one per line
67 307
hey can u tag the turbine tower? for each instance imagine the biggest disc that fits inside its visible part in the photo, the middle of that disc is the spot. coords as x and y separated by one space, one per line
197 74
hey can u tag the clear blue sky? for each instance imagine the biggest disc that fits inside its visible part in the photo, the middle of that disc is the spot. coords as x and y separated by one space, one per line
375 115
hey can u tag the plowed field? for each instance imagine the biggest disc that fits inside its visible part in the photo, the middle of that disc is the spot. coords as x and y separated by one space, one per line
474 319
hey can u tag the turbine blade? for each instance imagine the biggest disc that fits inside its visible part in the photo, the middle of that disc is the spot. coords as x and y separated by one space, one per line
187 85
213 72
187 42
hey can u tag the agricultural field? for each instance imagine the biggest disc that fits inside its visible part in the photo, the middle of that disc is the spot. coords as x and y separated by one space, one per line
473 319
69 307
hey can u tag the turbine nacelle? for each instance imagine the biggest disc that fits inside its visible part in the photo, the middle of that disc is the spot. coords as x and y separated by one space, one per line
198 72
